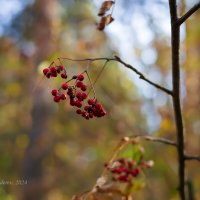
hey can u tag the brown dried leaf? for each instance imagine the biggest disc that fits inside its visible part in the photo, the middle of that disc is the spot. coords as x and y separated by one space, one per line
108 19
100 26
106 5
104 21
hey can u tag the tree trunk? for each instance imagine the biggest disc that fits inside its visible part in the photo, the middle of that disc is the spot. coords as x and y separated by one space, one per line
44 29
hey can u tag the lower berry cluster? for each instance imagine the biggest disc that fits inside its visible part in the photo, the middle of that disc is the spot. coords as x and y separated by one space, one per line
124 170
76 93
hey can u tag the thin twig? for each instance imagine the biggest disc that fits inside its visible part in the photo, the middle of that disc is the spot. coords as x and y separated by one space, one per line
141 76
187 14
197 158
99 74
117 59
92 86
160 140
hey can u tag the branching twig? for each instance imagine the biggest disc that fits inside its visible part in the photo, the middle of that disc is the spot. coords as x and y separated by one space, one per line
187 14
92 86
117 59
143 77
197 158
160 140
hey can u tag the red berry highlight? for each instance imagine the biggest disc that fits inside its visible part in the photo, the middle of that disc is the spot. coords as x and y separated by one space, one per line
54 92
79 84
91 101
63 96
64 86
45 71
79 111
83 87
80 77
64 75
56 99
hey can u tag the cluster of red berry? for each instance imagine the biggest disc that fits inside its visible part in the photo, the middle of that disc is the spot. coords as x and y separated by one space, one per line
76 93
124 170
53 71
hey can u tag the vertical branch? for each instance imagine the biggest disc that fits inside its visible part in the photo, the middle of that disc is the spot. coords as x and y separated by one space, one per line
175 42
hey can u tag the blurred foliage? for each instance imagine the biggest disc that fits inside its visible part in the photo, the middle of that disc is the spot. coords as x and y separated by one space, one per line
72 149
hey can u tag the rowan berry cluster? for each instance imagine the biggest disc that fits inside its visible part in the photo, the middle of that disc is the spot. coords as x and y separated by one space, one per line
125 170
53 71
86 107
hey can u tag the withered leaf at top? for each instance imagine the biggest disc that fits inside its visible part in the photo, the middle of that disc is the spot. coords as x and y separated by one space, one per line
107 19
106 5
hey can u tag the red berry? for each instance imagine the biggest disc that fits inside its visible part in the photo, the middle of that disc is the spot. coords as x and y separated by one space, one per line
84 95
134 172
91 115
64 75
98 106
54 74
53 69
72 96
78 104
64 86
123 178
79 111
79 84
48 75
78 95
45 71
56 99
91 101
80 77
59 68
63 96
54 92
83 87
86 108
72 102
70 92
84 114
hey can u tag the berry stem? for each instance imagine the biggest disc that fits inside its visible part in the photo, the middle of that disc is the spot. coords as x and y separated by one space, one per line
92 86
60 61
99 74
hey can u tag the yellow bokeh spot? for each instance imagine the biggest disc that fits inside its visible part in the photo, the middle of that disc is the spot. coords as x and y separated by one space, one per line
43 65
165 125
13 89
61 151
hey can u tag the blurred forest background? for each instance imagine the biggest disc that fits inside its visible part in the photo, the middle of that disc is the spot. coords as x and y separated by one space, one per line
60 154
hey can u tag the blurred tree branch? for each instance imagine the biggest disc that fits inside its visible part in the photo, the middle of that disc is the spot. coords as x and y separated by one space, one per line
188 157
187 14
